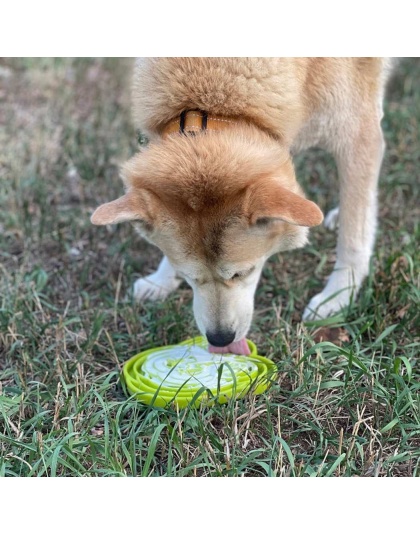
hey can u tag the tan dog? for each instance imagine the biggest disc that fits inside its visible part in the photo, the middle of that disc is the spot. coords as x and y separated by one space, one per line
215 189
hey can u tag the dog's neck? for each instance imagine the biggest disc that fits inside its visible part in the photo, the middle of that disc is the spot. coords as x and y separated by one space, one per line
195 121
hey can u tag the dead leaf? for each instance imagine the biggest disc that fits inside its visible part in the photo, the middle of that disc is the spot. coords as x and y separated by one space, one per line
338 336
401 312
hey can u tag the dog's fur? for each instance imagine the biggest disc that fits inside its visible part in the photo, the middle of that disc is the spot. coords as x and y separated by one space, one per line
218 204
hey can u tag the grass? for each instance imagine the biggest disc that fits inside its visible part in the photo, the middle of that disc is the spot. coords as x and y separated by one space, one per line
347 398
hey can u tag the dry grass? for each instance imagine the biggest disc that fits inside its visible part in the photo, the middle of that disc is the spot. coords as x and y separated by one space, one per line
347 399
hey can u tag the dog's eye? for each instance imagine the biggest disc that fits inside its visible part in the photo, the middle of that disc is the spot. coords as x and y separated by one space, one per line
242 274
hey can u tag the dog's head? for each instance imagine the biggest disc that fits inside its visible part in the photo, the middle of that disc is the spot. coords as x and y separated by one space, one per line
217 205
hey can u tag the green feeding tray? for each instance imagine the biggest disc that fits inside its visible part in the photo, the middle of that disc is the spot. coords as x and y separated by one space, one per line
188 374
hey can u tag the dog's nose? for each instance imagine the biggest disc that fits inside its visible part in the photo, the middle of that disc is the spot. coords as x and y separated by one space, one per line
222 338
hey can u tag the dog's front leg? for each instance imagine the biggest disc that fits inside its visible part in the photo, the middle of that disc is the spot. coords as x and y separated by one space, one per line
159 285
358 165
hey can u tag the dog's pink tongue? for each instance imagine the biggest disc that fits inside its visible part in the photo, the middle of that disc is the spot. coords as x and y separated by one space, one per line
237 347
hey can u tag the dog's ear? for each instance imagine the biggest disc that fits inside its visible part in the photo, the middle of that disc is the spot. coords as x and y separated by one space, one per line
130 207
271 201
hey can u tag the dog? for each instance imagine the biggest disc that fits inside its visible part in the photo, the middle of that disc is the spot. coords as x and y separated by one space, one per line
215 188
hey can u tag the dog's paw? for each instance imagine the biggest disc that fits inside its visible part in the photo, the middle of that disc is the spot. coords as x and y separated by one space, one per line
327 303
331 219
152 287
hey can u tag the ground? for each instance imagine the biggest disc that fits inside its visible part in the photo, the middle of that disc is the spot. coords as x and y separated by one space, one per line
346 402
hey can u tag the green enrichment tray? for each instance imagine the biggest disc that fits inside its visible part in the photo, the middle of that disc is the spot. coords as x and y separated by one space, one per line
187 374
